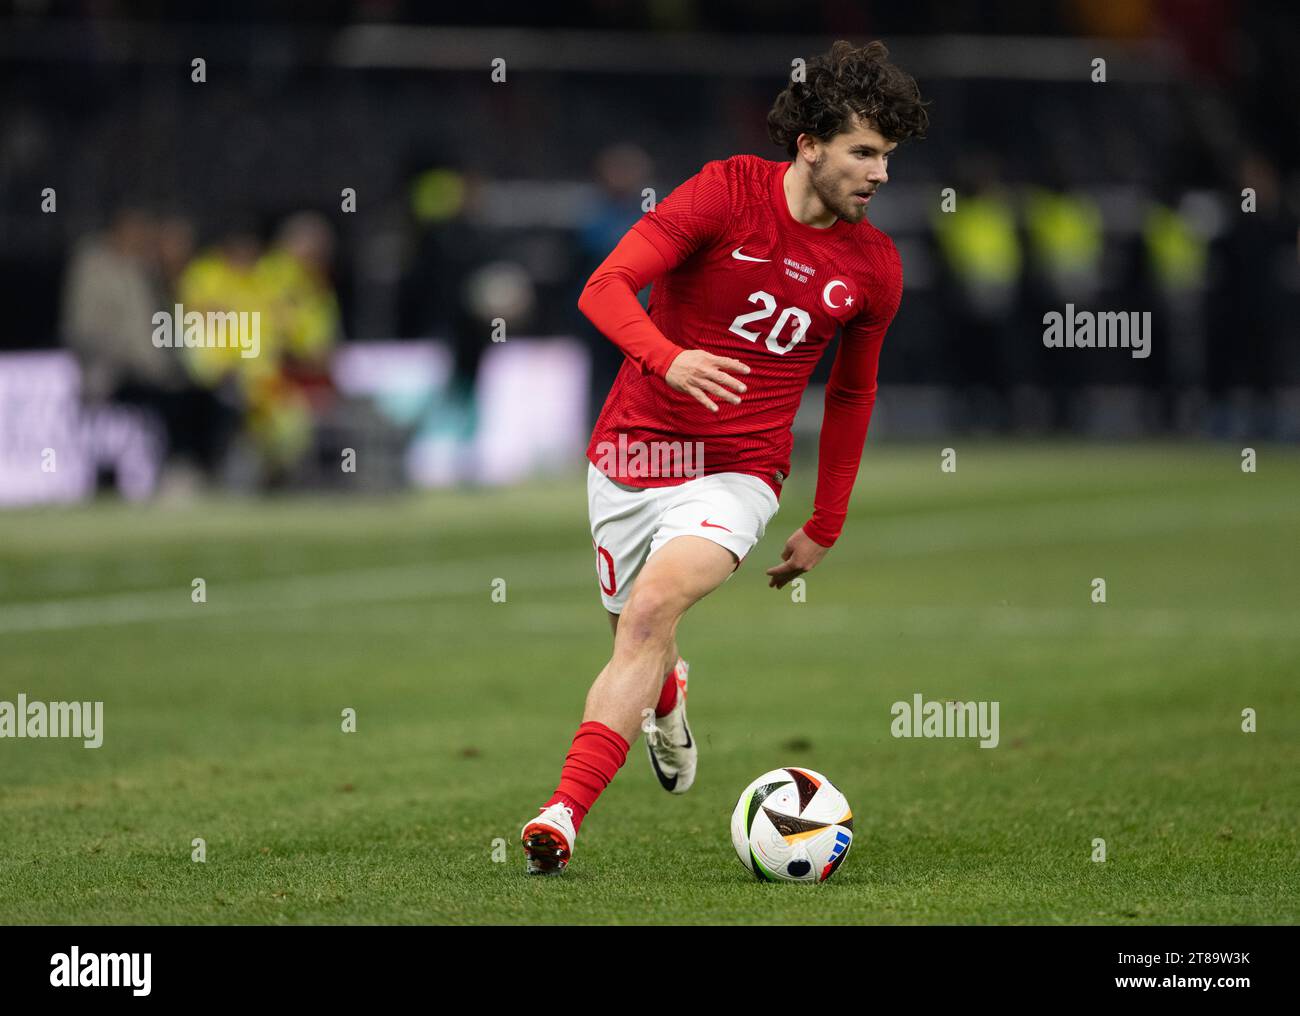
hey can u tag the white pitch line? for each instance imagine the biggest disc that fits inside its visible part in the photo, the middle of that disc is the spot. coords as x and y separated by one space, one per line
997 622
924 535
358 586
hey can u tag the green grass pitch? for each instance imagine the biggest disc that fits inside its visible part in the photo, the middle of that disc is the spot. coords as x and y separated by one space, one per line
1119 721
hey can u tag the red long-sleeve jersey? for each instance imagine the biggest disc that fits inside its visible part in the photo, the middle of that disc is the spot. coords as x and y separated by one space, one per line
735 274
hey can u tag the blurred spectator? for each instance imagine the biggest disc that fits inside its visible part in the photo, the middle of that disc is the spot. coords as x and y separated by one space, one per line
1063 230
450 248
623 171
115 285
1176 246
175 247
220 280
281 390
982 259
296 275
109 300
1255 307
453 291
305 326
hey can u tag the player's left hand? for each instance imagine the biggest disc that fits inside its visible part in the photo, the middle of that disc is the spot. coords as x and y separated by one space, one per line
801 554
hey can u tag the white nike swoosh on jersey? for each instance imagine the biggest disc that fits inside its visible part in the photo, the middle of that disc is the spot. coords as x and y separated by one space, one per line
745 257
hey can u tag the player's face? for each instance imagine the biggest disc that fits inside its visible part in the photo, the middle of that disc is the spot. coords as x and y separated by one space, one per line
849 169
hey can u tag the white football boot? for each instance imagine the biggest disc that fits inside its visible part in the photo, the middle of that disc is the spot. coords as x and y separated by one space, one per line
673 753
548 840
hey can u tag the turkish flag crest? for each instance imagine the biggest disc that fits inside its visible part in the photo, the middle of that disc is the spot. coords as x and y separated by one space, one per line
841 298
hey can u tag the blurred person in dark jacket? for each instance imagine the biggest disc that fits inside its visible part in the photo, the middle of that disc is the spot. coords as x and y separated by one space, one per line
1251 352
622 173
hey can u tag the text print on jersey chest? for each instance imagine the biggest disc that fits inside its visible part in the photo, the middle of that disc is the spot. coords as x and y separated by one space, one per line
759 258
794 268
797 270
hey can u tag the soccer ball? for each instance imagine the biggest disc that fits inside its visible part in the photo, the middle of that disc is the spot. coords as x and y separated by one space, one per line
792 825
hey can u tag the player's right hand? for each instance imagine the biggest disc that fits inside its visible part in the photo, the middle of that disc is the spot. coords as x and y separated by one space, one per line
700 374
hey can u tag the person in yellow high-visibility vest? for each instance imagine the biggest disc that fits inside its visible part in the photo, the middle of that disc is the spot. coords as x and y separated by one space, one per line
295 274
294 279
220 280
276 418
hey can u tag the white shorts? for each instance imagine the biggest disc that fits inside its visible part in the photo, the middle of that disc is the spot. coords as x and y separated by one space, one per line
628 525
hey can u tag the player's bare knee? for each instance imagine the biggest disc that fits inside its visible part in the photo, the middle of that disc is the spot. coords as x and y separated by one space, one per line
651 614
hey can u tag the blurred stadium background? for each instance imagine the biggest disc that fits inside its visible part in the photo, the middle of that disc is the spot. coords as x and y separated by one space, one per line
476 200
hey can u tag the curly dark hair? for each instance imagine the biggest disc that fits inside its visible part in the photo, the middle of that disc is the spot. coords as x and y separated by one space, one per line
848 80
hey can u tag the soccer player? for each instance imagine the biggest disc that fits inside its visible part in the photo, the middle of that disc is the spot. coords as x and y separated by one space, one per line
756 265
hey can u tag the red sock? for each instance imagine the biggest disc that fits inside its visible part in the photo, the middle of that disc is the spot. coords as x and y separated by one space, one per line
597 754
668 695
